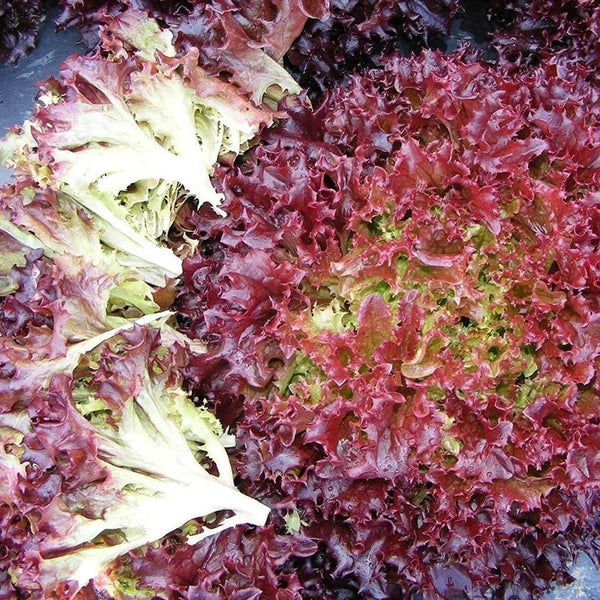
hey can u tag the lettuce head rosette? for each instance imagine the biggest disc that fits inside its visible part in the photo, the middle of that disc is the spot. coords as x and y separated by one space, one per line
401 312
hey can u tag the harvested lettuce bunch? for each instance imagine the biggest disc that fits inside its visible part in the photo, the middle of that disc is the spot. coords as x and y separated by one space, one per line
104 456
125 138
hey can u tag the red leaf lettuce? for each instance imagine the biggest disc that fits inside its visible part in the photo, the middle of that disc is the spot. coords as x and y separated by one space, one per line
401 311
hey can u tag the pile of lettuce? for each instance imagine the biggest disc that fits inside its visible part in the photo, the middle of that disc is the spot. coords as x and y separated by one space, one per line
253 347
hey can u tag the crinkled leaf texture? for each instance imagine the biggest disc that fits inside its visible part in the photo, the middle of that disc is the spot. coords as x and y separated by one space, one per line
19 26
356 34
104 455
401 311
82 285
526 34
241 41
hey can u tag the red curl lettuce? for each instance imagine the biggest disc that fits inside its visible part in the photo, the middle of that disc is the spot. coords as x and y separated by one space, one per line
358 32
401 311
533 32
19 27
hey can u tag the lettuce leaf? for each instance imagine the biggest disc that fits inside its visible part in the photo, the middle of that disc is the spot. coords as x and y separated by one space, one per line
119 138
19 27
121 124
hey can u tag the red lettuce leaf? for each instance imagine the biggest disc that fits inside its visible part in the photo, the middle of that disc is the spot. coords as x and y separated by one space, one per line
530 33
357 33
19 27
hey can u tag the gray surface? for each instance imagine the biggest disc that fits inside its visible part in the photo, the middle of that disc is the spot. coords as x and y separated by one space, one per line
586 585
17 94
17 82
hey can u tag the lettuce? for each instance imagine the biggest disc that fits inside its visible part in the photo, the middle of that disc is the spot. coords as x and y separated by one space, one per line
19 27
241 41
401 315
103 451
109 457
125 139
87 281
390 300
530 33
354 35
127 125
